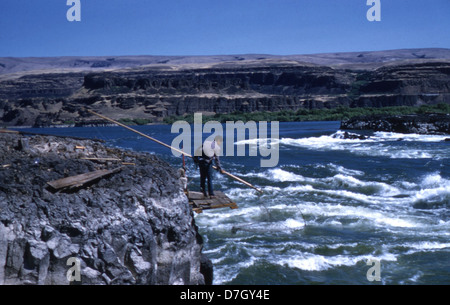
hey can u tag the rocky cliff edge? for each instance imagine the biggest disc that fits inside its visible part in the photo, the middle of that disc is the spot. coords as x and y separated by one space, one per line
133 226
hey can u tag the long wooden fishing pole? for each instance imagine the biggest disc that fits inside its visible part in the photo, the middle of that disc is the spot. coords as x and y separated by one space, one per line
138 132
240 180
168 146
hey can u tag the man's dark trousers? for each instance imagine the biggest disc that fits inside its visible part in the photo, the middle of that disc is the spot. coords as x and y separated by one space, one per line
206 173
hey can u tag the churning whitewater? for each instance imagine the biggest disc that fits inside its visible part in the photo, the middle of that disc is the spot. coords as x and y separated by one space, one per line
331 205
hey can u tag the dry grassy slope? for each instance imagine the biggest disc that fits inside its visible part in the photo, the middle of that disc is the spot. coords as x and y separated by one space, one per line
9 65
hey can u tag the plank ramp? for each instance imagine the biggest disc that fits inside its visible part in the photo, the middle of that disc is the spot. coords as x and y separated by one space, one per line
80 180
199 203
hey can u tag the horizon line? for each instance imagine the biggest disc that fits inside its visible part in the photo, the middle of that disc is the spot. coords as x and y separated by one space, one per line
235 54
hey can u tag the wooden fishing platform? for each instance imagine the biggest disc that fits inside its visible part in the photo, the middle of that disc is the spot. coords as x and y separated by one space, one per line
199 202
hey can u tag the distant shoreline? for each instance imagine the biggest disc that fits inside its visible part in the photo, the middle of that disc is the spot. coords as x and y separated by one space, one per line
426 119
342 114
304 115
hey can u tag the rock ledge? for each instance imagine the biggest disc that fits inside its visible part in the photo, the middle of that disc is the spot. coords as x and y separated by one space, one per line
420 124
132 227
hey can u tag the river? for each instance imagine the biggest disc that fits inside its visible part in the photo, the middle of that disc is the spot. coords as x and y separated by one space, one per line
333 211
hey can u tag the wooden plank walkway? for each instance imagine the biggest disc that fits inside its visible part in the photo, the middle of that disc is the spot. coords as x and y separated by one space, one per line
199 203
80 180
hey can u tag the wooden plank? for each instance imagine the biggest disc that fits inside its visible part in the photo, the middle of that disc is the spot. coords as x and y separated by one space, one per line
8 131
101 159
195 196
198 210
200 203
80 180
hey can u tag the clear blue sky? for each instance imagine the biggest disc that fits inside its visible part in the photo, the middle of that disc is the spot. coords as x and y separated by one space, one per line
213 27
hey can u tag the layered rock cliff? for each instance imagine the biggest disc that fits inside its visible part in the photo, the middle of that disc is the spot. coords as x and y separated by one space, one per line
175 86
133 226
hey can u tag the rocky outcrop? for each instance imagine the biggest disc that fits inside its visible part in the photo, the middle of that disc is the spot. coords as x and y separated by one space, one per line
131 227
349 136
420 124
248 85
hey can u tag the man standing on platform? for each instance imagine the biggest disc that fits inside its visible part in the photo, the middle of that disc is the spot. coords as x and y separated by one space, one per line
209 151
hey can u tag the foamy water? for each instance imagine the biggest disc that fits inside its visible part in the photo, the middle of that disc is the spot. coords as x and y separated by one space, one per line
378 145
329 206
332 205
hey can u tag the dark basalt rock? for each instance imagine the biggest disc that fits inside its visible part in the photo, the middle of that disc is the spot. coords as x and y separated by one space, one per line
349 136
132 227
420 124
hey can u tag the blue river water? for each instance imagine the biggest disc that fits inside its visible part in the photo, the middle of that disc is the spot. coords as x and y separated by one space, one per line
333 211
